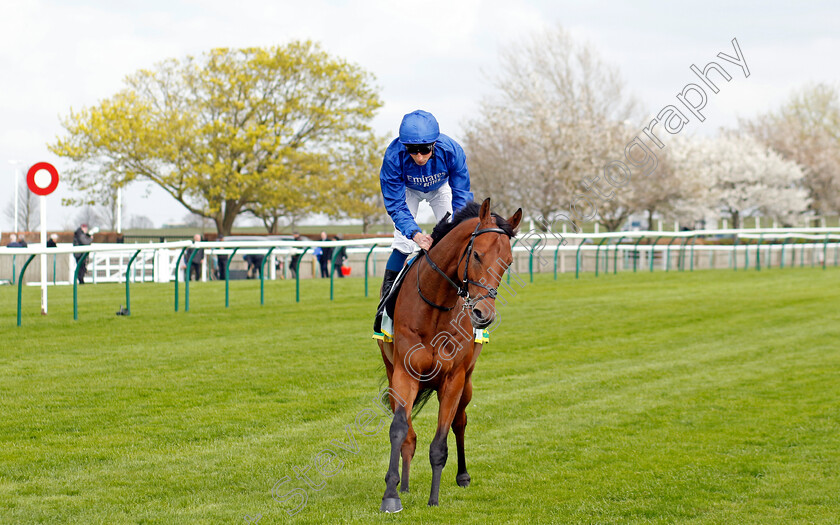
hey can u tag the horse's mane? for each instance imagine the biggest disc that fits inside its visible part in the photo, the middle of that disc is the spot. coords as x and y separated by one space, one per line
470 211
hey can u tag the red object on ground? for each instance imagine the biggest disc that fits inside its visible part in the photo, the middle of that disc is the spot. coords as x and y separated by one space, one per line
345 271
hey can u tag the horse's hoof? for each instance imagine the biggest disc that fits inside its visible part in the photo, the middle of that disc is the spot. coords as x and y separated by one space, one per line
433 503
463 480
390 505
404 491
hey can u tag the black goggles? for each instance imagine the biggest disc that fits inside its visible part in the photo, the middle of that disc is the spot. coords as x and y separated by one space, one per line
422 149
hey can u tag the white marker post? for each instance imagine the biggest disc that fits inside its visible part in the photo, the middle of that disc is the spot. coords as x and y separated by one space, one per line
42 179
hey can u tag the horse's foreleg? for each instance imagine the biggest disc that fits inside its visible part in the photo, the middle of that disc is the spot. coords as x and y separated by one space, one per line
408 448
404 389
449 396
459 424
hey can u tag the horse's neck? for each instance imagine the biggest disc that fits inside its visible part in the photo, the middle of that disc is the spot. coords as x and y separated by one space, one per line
446 254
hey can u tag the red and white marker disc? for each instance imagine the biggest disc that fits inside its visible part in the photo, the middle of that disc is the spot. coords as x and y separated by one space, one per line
42 178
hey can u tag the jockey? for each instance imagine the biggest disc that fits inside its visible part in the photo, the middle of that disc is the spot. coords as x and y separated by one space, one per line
421 164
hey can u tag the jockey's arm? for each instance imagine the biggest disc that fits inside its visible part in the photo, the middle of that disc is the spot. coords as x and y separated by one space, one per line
459 179
393 195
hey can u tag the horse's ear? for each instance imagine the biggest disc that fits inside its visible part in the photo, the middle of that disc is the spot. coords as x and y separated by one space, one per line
484 213
515 219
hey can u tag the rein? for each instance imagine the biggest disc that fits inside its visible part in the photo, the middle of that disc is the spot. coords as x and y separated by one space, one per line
463 288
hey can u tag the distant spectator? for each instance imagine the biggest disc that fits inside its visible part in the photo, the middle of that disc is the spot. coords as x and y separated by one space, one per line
81 237
340 257
51 241
255 263
293 263
325 257
221 262
195 266
15 243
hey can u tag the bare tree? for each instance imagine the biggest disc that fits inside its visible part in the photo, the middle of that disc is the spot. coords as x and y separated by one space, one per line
194 220
88 215
558 116
29 210
140 222
107 210
662 190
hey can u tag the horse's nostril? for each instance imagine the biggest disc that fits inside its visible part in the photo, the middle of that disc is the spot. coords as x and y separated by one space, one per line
477 314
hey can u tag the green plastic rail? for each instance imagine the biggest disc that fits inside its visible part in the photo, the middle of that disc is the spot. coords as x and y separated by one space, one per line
636 253
187 277
262 275
615 256
512 246
332 269
227 277
577 260
802 256
825 250
746 256
297 274
668 254
782 261
127 280
79 265
652 248
177 264
693 241
531 258
367 258
681 258
20 284
598 252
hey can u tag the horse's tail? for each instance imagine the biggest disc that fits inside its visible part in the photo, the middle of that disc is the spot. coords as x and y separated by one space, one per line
419 402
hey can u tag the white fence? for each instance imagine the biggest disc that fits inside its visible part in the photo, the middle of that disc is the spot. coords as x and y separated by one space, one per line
533 252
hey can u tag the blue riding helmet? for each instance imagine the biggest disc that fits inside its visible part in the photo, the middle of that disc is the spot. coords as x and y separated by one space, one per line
419 127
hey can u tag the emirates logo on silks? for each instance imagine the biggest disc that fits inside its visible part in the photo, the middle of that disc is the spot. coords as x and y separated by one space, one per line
428 180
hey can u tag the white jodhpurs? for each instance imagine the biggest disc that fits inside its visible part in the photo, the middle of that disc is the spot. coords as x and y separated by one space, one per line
441 202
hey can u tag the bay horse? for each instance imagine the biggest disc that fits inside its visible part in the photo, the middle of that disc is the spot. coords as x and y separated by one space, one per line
446 293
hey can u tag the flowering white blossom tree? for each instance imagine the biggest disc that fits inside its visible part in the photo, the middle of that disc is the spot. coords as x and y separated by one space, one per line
806 129
738 176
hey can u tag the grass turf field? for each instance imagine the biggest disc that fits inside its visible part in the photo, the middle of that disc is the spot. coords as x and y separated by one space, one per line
705 397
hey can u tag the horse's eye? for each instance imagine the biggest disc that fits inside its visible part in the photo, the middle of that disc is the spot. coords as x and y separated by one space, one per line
477 257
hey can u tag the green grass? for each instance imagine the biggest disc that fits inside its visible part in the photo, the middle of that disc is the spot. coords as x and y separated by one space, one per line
705 397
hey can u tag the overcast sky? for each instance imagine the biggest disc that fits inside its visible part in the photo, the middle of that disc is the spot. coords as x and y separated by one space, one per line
435 55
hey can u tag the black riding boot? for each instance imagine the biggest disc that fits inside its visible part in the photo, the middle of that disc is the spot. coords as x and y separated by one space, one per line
387 283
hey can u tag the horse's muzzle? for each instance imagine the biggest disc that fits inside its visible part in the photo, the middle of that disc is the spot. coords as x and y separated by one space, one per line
481 320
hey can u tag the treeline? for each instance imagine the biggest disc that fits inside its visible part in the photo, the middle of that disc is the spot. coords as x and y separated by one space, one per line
281 133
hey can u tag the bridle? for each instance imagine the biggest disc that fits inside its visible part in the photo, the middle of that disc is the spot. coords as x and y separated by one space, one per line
463 288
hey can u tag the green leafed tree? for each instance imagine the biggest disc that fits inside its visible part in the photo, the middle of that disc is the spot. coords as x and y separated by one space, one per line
232 130
355 191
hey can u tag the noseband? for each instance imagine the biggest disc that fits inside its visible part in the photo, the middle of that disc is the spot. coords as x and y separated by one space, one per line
463 288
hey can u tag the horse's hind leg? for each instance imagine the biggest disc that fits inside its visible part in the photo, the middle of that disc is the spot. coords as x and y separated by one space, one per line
408 448
459 424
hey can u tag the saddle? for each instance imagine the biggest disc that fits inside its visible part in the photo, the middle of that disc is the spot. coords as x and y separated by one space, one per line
387 303
383 323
